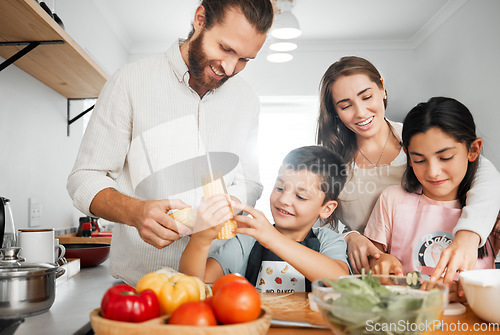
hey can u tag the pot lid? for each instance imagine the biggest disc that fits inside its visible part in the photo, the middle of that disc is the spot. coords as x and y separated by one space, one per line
26 270
11 265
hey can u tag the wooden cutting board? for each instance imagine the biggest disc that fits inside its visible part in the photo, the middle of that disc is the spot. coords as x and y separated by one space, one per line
292 307
72 238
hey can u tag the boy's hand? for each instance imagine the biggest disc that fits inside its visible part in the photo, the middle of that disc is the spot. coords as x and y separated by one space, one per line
386 265
256 226
212 213
360 248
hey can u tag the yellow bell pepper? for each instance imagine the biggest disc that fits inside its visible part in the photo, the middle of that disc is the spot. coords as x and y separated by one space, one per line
171 292
205 290
153 281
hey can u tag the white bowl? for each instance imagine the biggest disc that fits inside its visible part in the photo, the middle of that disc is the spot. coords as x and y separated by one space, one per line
482 290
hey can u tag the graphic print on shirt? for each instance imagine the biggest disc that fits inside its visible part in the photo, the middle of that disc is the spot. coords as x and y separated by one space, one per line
428 249
279 277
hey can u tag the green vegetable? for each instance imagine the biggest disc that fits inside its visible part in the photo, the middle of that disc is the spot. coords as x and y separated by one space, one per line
365 306
413 279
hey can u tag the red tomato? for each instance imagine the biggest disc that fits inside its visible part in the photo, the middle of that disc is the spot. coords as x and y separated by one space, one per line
123 303
194 314
236 302
209 301
229 278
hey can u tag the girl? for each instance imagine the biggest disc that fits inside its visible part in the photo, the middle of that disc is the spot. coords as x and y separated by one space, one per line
352 122
414 222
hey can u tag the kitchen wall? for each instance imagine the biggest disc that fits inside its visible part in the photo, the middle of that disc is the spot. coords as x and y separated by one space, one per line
462 60
36 155
459 59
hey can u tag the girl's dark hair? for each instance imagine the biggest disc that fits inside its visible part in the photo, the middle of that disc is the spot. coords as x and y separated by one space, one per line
331 131
453 118
258 12
323 162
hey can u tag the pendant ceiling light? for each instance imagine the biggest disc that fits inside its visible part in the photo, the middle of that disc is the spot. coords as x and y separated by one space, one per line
285 28
282 46
279 57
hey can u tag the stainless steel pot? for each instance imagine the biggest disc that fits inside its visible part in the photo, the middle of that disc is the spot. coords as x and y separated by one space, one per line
26 289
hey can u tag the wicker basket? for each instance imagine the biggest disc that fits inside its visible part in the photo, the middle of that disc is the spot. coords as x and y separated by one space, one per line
102 326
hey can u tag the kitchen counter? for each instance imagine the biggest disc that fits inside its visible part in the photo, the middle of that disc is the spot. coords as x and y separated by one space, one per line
81 294
75 299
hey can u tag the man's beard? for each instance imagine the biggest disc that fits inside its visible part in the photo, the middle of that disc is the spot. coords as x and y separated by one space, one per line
198 62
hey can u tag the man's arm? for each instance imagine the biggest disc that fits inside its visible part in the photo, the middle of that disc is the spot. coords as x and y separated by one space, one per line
148 217
92 183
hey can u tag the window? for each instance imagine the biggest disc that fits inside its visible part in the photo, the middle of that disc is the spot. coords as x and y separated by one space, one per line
286 123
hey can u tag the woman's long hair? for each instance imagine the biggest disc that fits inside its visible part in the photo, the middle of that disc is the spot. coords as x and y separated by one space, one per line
331 131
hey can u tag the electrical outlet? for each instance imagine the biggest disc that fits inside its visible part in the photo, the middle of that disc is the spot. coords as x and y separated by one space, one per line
35 212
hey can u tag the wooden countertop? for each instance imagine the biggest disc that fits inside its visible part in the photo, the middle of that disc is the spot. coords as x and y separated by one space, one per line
295 307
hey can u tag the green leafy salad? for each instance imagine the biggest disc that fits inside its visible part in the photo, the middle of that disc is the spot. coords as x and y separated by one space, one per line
362 305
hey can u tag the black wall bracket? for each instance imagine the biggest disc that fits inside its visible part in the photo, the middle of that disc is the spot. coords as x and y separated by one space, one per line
30 45
70 121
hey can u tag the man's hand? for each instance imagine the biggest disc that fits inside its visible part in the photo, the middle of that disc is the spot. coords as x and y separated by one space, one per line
149 217
153 223
359 249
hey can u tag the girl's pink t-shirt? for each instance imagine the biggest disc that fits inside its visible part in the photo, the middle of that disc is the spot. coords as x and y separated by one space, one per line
416 229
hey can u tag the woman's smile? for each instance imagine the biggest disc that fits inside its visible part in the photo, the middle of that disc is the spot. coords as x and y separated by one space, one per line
366 122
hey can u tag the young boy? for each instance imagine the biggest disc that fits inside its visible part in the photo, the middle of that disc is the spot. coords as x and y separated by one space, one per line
285 257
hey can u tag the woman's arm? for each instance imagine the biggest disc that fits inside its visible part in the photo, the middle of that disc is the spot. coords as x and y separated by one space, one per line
482 203
313 265
475 224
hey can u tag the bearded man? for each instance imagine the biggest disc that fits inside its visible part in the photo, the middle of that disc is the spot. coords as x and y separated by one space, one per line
163 122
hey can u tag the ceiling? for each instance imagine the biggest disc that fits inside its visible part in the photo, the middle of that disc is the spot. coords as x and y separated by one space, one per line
151 24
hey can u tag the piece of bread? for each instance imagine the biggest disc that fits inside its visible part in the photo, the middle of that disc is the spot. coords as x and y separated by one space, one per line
213 187
186 216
